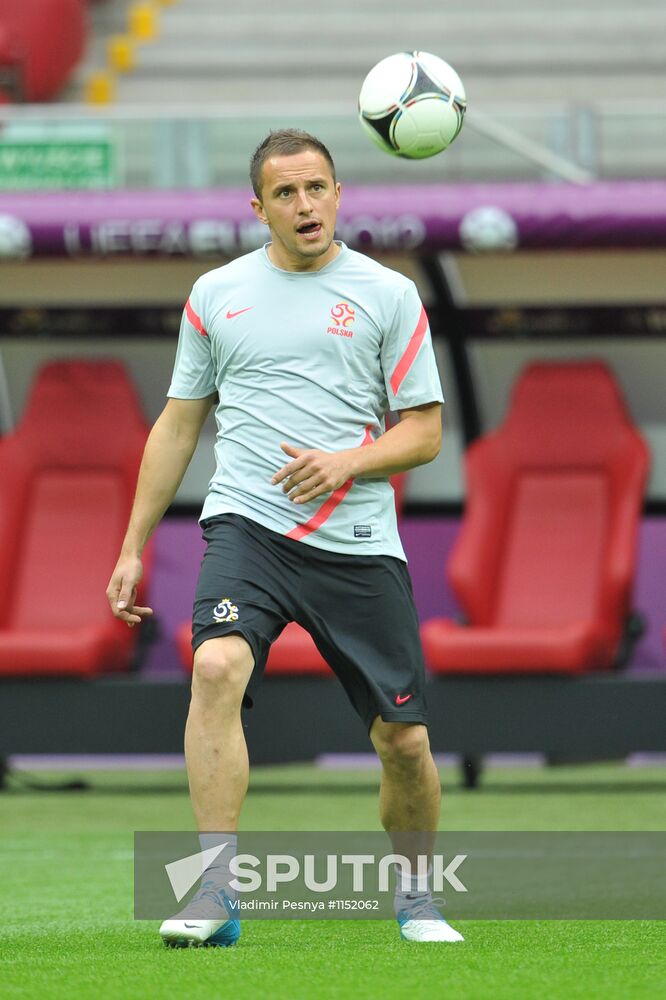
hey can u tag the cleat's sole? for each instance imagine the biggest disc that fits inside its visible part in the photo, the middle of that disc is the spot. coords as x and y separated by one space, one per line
187 943
198 944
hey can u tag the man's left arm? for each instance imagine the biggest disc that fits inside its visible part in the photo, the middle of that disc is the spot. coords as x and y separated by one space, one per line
415 440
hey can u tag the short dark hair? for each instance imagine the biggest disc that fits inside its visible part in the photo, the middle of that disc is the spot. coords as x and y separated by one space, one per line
285 142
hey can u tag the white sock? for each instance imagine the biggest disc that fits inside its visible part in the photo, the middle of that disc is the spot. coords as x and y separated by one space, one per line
413 886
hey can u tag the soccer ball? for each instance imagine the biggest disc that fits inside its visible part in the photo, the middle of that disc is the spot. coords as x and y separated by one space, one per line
15 238
488 229
412 104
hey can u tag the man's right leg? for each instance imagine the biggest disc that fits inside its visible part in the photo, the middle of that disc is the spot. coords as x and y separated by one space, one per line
217 767
215 749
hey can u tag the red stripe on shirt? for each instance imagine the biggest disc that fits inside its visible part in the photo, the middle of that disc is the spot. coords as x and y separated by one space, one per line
411 350
194 319
327 508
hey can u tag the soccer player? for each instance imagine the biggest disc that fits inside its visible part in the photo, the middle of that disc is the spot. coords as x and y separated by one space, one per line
302 347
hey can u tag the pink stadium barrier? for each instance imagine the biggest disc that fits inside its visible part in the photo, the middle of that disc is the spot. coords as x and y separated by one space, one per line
408 218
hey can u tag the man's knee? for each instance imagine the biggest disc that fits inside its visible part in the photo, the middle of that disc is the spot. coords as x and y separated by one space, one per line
222 664
400 744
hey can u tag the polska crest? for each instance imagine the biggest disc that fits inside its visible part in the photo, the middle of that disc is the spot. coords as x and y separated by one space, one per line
225 611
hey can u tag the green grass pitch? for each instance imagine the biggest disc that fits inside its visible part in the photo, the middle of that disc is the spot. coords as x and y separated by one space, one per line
66 899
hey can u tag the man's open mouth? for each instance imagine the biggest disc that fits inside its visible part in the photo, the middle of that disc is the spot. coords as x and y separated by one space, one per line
309 229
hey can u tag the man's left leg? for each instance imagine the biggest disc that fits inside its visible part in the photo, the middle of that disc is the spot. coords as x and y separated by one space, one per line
409 801
410 793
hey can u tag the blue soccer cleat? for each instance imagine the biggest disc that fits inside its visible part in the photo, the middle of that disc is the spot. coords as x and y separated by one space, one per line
190 930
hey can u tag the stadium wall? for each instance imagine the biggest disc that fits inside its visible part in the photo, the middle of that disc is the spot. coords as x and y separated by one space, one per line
297 718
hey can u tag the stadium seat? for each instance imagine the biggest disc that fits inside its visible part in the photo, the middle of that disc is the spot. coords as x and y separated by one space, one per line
41 43
68 478
544 562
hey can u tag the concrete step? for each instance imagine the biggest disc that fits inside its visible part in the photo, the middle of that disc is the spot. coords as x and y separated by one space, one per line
512 51
392 9
573 23
231 91
297 59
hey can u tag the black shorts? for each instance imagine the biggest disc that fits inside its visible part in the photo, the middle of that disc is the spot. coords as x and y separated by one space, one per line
358 609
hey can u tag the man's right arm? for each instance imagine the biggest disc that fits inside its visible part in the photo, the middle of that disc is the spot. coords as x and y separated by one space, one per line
167 454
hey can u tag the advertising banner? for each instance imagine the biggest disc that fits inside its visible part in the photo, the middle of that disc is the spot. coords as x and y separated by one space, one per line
477 218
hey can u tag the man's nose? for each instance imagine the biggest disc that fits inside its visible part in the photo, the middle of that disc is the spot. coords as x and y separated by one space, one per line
304 204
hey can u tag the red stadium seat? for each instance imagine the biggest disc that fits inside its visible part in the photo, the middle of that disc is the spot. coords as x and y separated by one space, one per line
544 563
41 42
68 478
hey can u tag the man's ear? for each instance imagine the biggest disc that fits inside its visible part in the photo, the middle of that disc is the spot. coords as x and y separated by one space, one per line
258 210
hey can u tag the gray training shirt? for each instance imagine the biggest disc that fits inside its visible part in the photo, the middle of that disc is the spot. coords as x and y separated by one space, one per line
315 359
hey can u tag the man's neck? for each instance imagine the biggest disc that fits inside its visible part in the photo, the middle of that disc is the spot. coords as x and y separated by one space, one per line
302 264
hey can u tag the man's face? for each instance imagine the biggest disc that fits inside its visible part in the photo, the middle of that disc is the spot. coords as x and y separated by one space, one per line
299 201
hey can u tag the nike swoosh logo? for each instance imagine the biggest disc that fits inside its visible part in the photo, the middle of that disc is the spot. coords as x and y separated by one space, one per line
190 926
401 699
231 315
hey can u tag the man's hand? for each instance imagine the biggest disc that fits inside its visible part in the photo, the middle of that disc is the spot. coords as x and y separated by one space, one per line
312 473
121 591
